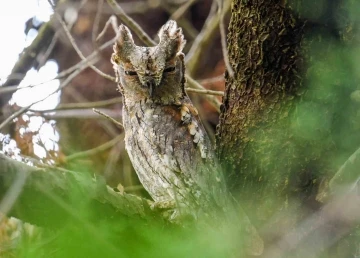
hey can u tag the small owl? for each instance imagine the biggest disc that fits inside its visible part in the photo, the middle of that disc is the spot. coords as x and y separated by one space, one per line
167 144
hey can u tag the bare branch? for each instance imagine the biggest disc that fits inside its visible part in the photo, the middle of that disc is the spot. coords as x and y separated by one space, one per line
94 104
348 174
76 113
185 24
78 51
12 194
128 21
120 125
222 11
111 21
206 34
212 99
320 230
95 29
208 92
24 109
212 80
28 57
96 150
182 9
91 59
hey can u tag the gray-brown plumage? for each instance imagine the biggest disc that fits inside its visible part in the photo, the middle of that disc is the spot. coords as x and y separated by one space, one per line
167 144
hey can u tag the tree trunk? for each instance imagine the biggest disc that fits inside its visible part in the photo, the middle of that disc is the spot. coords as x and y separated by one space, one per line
253 137
284 125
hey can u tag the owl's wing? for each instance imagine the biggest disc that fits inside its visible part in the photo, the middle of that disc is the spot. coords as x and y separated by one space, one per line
186 149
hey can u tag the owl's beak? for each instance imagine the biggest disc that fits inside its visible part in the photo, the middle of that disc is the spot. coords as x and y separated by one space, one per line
150 84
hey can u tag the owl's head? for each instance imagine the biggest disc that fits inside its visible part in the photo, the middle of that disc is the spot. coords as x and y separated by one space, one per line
155 72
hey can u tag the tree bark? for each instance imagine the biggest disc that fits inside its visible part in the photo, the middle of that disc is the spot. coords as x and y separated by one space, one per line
253 139
287 122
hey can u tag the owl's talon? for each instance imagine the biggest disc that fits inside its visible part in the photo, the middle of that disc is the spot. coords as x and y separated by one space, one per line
163 205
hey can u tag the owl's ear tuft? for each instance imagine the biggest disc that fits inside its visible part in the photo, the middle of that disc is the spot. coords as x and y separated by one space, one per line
124 43
171 39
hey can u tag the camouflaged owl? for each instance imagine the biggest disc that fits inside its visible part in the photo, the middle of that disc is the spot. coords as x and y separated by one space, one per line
167 144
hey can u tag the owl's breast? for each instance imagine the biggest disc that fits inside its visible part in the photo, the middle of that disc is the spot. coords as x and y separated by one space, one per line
167 145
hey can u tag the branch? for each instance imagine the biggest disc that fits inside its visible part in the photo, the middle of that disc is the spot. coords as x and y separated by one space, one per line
92 58
110 118
208 92
45 198
27 58
100 148
221 13
202 40
212 99
77 50
321 230
24 109
131 24
182 9
77 114
348 175
82 105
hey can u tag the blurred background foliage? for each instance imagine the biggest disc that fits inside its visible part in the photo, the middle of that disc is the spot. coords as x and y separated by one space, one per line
323 125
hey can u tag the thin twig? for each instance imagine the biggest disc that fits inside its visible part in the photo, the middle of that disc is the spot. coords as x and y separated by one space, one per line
131 24
85 105
105 124
199 46
28 57
120 125
212 99
24 109
111 21
212 80
208 92
100 148
92 58
78 51
222 12
12 194
184 23
95 29
348 174
76 113
50 48
182 9
322 229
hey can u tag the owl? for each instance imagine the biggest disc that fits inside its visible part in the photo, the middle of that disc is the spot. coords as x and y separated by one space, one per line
164 137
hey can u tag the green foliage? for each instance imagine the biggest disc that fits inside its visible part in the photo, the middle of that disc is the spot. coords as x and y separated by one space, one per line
81 236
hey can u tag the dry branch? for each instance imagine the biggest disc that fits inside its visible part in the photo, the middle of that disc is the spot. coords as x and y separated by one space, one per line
96 150
82 105
28 58
207 33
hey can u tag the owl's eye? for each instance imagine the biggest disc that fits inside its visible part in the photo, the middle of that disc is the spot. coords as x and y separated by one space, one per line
169 69
131 73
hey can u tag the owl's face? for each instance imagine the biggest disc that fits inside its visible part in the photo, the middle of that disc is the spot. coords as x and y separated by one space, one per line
156 72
